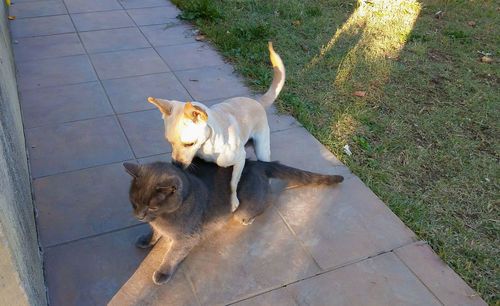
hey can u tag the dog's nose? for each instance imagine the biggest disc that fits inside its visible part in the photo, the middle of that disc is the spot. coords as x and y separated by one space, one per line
177 163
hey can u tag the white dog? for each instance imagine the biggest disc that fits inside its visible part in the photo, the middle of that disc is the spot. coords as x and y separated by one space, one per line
219 133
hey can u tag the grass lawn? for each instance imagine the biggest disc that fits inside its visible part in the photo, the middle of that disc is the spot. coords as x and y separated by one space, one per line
425 135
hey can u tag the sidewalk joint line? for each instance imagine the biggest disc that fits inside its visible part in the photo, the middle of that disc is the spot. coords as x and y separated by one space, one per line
294 234
41 16
66 122
93 236
191 285
85 168
156 51
331 269
416 276
104 89
40 35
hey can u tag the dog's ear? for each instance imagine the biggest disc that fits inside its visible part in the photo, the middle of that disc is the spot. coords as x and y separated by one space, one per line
164 105
194 112
132 169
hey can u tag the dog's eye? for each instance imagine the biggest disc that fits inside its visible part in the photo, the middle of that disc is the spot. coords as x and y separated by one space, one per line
189 144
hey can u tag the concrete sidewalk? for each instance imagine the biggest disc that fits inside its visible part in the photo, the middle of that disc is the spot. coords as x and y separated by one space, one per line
85 69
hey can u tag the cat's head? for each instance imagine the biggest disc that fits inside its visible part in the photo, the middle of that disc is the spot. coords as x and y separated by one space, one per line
156 189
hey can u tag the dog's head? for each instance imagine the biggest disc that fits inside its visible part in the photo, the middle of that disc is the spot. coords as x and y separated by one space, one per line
185 128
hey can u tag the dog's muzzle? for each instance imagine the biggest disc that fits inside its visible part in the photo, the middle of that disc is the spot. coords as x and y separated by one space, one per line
179 164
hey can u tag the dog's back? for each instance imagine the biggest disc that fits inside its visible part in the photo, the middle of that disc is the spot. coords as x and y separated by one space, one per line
243 113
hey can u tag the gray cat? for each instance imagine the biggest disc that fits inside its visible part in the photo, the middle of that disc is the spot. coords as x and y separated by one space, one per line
186 205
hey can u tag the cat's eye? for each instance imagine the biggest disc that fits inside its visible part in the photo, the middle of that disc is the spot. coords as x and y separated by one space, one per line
153 208
190 144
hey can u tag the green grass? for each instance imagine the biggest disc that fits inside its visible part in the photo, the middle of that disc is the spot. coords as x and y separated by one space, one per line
425 136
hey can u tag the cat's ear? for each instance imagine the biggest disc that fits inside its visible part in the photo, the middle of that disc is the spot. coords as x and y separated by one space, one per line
166 189
194 112
164 106
132 169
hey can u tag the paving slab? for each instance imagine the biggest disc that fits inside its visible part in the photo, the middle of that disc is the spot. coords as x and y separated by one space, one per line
26 27
37 9
53 105
342 224
145 133
91 271
86 6
113 40
383 280
280 122
210 83
241 261
278 297
130 94
140 290
83 203
446 285
129 4
308 153
54 72
76 145
189 56
127 63
44 47
154 15
101 20
168 34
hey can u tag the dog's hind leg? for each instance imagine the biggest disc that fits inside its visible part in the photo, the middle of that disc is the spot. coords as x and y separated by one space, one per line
262 144
235 178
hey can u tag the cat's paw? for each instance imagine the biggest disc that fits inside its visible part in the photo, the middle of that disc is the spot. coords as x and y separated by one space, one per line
234 203
160 277
143 241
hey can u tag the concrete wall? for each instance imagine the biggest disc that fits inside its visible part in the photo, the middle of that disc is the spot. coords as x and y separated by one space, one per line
21 277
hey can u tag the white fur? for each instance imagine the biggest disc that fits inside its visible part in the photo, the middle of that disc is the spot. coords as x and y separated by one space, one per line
219 134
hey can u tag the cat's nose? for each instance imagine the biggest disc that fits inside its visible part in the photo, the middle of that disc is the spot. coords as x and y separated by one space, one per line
141 215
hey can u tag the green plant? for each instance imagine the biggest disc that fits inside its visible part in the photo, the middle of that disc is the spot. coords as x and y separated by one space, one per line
199 9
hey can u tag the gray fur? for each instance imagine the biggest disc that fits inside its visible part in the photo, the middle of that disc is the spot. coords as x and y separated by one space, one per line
184 206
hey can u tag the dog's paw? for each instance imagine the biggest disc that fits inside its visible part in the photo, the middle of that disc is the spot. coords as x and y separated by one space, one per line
160 277
234 203
143 241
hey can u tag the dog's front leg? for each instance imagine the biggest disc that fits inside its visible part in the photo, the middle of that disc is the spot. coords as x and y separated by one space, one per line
235 178
178 250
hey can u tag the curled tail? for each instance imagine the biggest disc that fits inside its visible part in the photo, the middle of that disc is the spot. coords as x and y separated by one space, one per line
278 78
297 176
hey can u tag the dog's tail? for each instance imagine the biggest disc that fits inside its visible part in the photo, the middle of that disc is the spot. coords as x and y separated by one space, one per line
278 79
297 176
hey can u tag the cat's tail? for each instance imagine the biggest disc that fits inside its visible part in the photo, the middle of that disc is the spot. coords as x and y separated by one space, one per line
297 176
278 78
